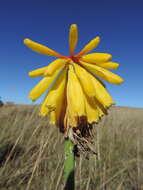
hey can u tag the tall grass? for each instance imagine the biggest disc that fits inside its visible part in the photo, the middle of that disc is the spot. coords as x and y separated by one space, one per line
31 152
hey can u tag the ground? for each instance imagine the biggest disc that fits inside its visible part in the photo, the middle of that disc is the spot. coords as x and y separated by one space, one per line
32 152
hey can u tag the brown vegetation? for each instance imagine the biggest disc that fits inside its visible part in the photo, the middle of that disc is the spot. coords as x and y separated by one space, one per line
31 152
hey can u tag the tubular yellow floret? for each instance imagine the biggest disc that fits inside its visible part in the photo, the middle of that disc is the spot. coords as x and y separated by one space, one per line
108 65
61 110
103 73
70 118
75 99
90 46
91 110
42 86
54 66
85 80
41 48
73 38
57 116
53 119
96 57
55 95
38 72
101 93
100 110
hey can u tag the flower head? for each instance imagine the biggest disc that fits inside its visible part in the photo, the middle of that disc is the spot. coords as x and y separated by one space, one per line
76 97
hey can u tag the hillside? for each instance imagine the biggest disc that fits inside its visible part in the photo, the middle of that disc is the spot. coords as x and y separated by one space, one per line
31 152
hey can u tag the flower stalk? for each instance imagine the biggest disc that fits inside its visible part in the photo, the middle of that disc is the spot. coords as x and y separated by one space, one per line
69 165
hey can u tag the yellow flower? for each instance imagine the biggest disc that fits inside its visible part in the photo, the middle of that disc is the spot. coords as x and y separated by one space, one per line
76 96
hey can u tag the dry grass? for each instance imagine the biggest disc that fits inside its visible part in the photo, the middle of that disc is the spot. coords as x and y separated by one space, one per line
31 152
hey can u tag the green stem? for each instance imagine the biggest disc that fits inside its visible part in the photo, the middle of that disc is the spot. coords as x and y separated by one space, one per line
69 165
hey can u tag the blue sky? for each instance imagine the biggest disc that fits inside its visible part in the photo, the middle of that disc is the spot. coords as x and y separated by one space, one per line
118 23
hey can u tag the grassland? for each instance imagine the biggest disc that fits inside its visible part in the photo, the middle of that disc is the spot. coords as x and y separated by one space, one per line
31 152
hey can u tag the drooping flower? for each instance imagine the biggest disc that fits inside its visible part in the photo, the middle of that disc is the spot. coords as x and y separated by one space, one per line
76 97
